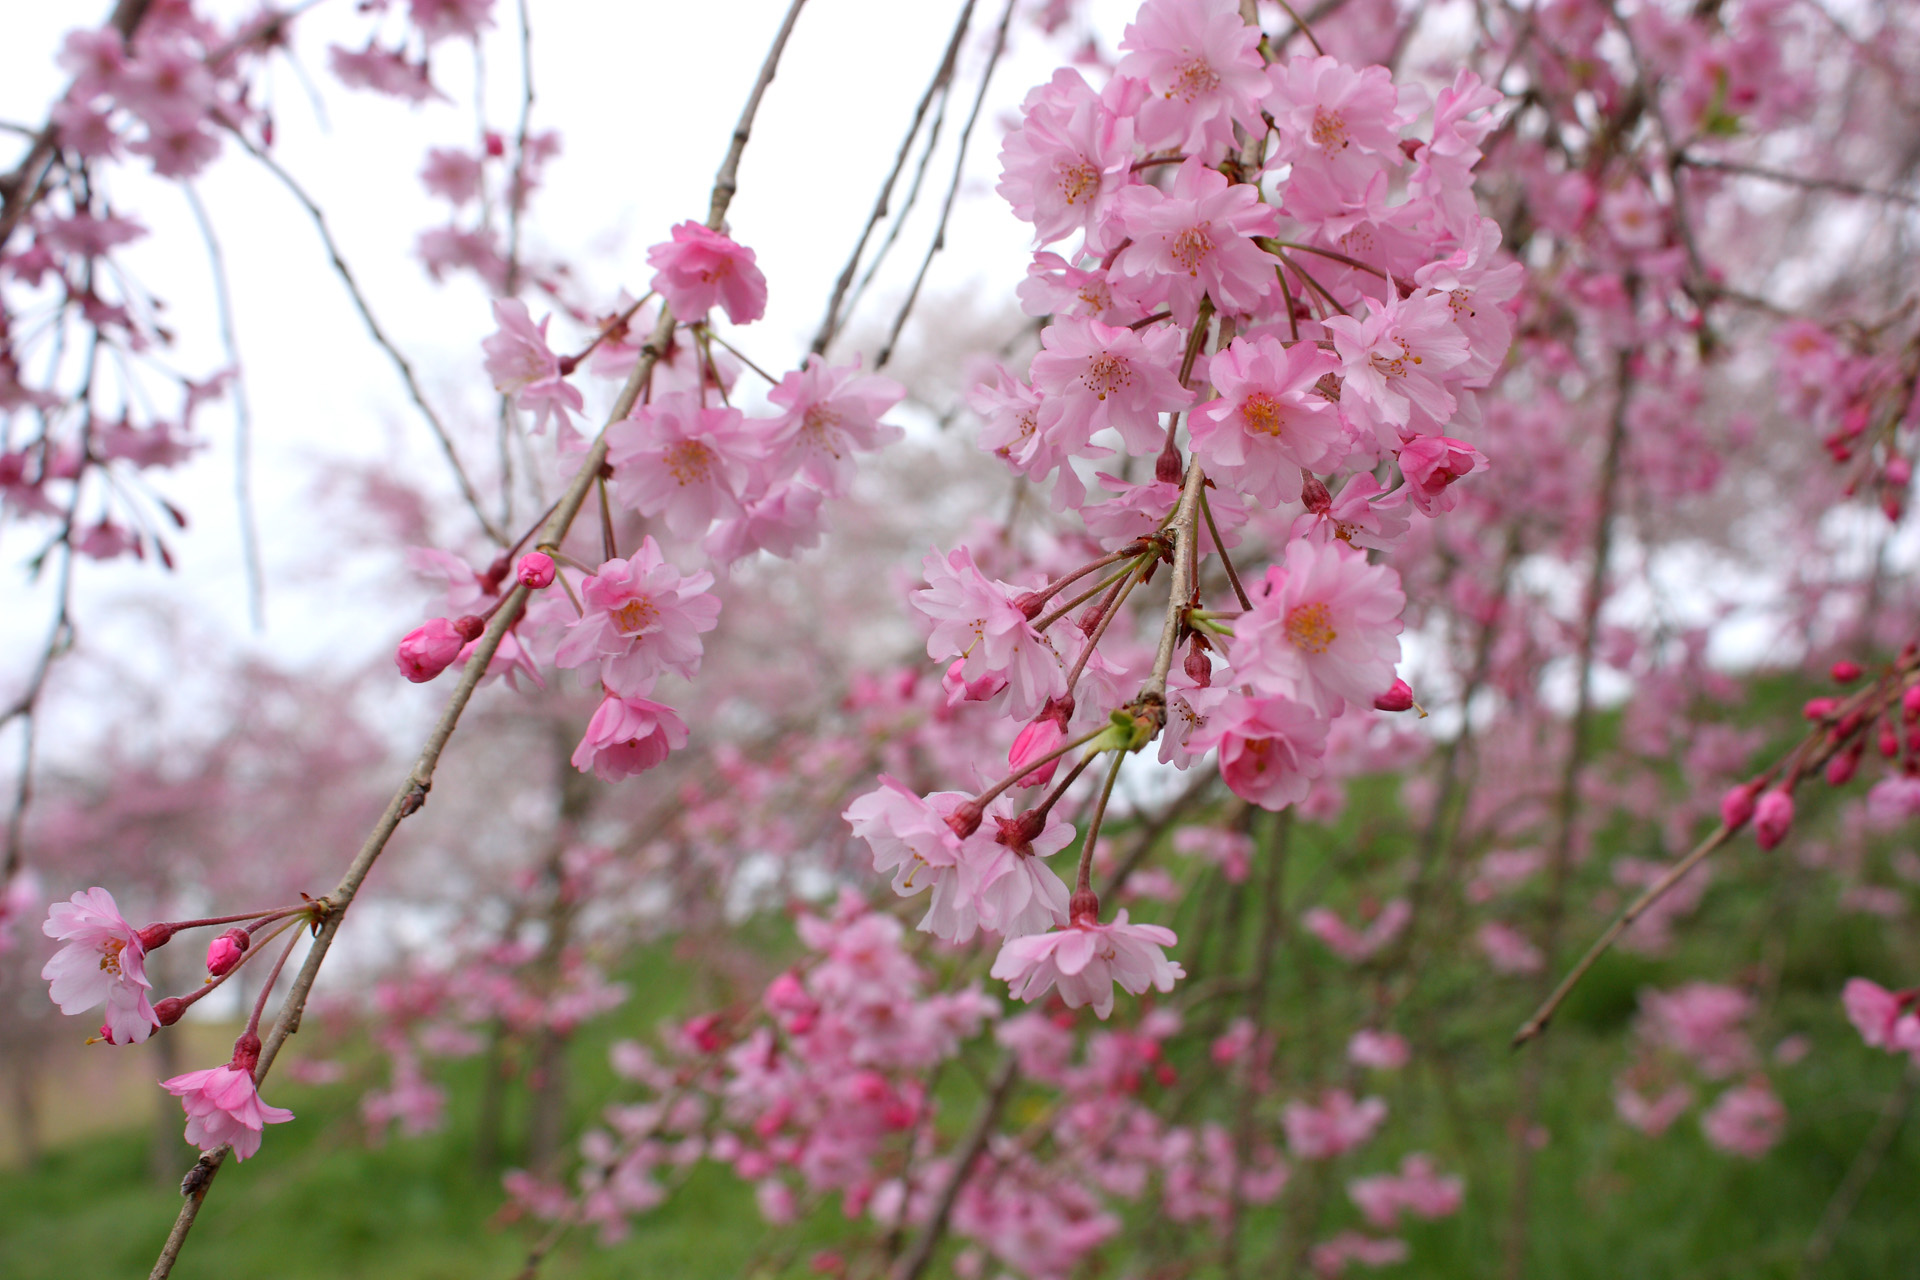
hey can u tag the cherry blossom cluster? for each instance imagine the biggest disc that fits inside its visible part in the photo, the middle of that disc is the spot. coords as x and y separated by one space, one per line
1272 257
1698 1030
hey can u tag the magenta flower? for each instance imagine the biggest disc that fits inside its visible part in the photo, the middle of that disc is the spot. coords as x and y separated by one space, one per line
1772 818
1202 63
1093 376
699 268
642 618
628 736
1067 158
1431 464
1268 423
429 649
831 413
689 464
223 1105
104 962
1324 629
1086 959
524 367
1198 240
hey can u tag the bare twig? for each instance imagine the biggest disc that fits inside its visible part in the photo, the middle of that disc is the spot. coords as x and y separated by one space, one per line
1838 185
915 1264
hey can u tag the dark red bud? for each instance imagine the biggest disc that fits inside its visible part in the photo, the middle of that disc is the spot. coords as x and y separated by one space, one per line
1030 605
1168 468
168 1011
246 1053
1018 834
1198 667
965 820
470 627
155 936
496 574
1084 907
1910 703
1398 698
1314 494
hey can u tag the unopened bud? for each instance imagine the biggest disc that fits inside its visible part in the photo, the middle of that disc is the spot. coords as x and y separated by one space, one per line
965 820
1084 907
1845 672
1314 494
428 650
1889 742
155 936
1398 698
1030 605
1736 807
469 628
224 952
1819 708
1899 472
168 1011
1040 738
1198 666
1772 817
1168 468
1841 768
246 1053
1910 703
536 570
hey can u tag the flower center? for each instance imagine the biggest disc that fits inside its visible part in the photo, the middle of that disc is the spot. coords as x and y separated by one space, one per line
1310 627
1460 302
1329 130
1194 78
689 462
1191 247
110 956
1078 181
817 429
1262 413
1395 366
635 616
1107 373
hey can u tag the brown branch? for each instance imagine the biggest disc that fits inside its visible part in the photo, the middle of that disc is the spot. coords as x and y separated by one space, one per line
1838 185
915 1264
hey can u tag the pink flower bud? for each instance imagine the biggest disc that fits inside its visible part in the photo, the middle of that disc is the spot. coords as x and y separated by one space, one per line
1819 708
1899 472
1845 672
428 650
1772 817
1043 735
1398 698
1736 807
1168 468
965 820
224 952
1841 768
1198 666
1910 703
1889 742
536 570
1314 495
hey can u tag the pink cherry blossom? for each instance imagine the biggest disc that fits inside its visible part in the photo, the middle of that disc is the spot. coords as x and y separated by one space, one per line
524 367
1361 515
1431 464
1271 749
975 620
1354 947
628 736
1419 1189
830 413
642 618
1395 363
454 175
1070 154
1654 1117
1200 61
1885 1019
689 464
104 962
1004 870
1772 818
1093 376
1086 959
1330 1257
1380 1050
699 268
1746 1120
1267 424
1508 950
912 839
1336 1126
1198 240
1335 118
1324 628
223 1105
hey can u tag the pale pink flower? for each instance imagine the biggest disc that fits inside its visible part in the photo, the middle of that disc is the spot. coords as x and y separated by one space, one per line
783 521
1086 959
1362 514
642 618
1654 1117
830 413
1703 1021
1419 1189
1395 363
912 839
975 620
439 19
1201 61
1355 947
1324 628
104 962
224 1106
1330 1257
1380 1050
452 174
1197 240
699 268
1069 155
1431 464
689 464
1336 1126
1093 376
1267 425
1231 851
628 736
1885 1019
382 71
1343 121
1191 713
1003 869
524 367
1271 749
1508 950
1478 292
1747 1120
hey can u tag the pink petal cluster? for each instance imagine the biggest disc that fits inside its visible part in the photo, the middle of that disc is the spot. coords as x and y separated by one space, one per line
103 962
1085 960
642 618
699 269
223 1106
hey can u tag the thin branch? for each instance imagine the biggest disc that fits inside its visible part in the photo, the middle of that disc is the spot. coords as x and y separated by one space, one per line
953 188
915 1264
400 361
242 416
1838 185
942 79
